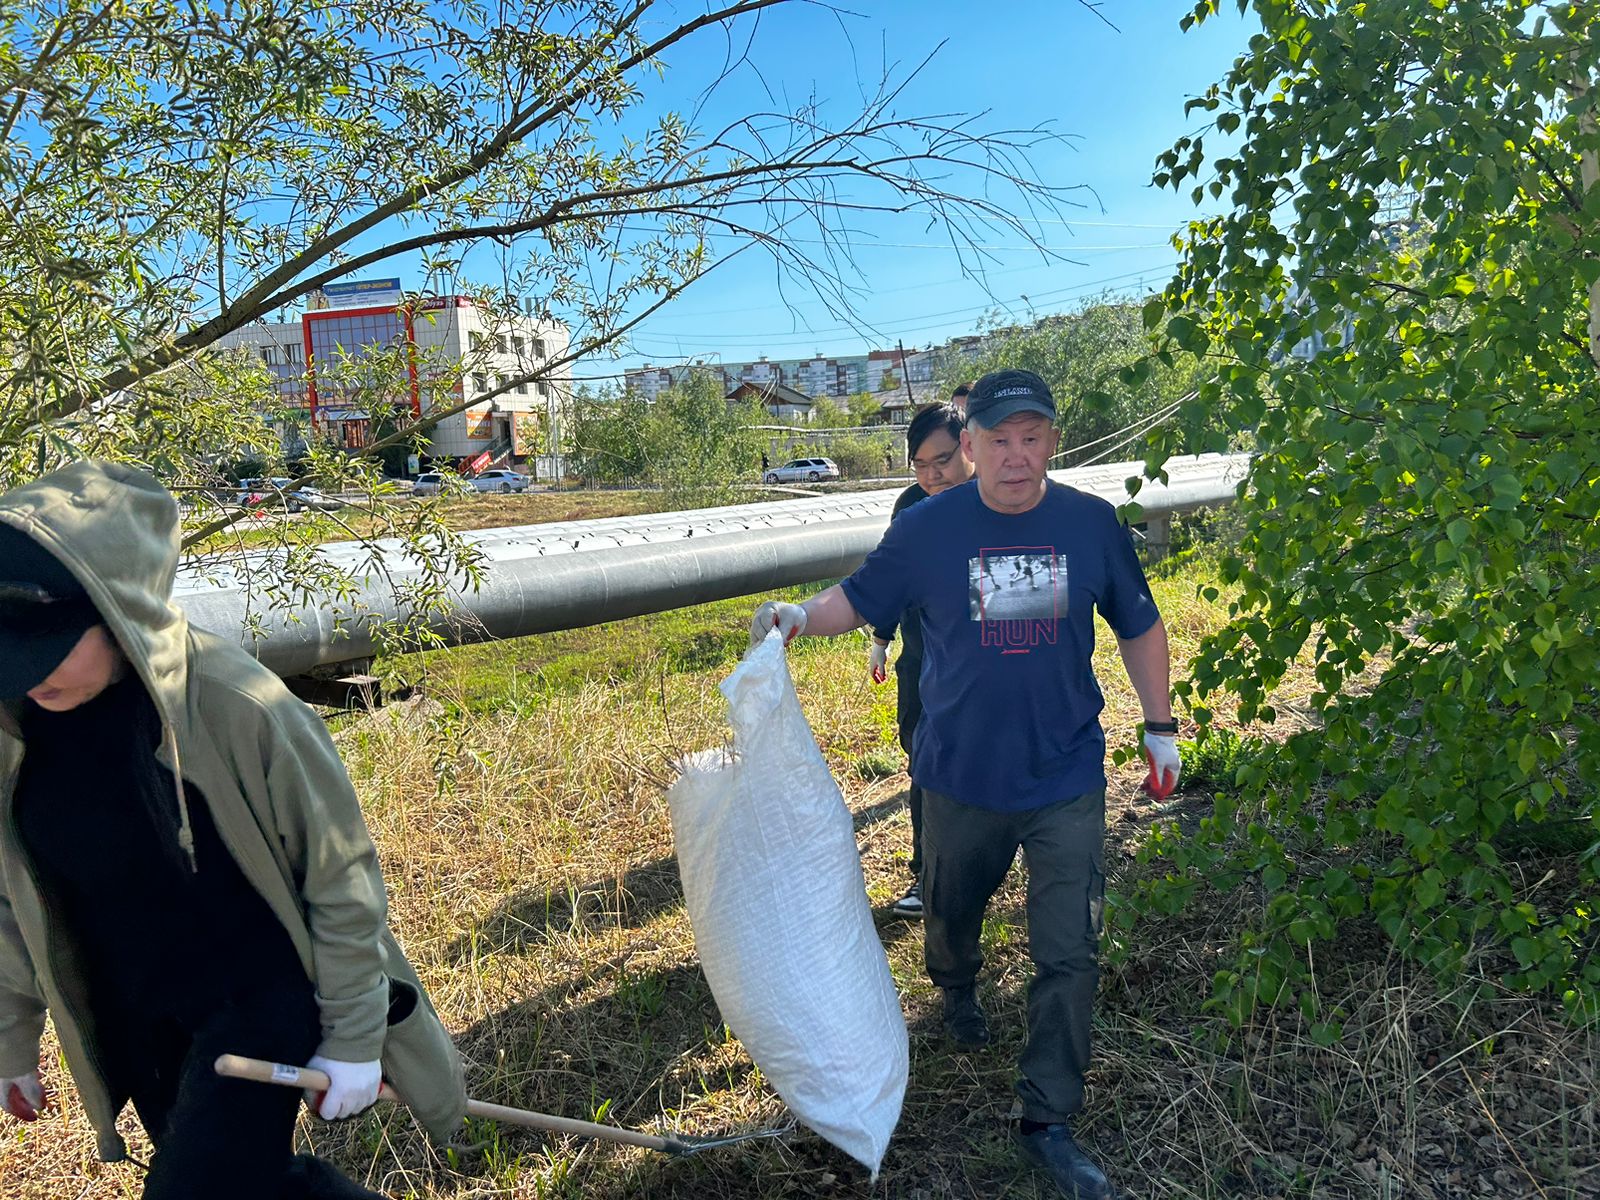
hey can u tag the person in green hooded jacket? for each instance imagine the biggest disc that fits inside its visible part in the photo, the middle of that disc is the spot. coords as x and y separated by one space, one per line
184 867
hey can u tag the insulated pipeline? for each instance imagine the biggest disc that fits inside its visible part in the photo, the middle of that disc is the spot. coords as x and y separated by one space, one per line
541 578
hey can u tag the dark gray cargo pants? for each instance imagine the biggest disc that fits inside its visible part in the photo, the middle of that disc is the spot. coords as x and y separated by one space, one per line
966 853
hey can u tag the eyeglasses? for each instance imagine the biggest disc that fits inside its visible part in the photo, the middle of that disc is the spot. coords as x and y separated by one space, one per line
938 464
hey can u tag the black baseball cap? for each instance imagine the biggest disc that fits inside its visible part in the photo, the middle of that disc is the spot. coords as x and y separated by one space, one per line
44 611
1002 394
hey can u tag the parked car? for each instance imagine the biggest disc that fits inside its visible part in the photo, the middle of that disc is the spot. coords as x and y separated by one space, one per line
253 492
498 479
812 470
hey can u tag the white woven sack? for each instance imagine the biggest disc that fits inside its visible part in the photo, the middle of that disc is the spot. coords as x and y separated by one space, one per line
775 893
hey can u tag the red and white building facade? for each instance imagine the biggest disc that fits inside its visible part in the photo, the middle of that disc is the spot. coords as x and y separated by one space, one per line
453 350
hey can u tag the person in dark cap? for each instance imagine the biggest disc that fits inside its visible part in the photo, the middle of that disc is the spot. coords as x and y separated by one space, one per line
184 867
1007 572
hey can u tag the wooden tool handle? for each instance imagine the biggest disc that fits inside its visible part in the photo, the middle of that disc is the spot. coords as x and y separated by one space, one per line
238 1067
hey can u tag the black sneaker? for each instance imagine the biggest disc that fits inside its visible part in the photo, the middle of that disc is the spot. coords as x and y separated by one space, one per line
964 1021
1072 1171
909 905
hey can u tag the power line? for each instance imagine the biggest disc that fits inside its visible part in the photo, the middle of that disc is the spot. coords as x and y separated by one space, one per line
1149 424
864 241
1087 285
1159 413
899 325
869 244
915 287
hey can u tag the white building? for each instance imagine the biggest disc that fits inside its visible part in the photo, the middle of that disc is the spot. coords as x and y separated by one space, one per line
455 351
820 375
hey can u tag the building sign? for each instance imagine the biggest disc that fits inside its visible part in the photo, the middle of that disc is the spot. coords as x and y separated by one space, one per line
361 292
480 423
524 432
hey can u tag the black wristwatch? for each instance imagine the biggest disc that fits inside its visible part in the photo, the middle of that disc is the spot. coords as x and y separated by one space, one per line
1168 728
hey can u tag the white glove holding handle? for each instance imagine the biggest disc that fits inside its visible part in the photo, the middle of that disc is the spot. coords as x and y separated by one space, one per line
787 619
352 1087
878 660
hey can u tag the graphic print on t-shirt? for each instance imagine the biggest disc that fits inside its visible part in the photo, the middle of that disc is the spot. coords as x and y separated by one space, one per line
1018 583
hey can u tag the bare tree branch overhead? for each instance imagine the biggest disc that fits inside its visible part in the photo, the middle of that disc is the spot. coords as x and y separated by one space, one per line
173 174
229 166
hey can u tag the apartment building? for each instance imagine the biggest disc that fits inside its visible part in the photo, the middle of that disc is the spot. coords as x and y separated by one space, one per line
819 375
452 350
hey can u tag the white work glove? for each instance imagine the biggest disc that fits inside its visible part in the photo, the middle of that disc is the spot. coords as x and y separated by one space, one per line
787 619
352 1087
1161 752
878 660
23 1096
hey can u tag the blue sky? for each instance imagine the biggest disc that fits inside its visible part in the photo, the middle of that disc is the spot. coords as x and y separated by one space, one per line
1117 93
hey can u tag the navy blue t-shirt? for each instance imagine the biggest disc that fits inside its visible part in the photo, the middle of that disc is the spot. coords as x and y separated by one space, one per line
1011 707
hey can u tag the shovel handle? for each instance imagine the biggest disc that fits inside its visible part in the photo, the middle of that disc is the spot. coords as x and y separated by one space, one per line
236 1066
258 1070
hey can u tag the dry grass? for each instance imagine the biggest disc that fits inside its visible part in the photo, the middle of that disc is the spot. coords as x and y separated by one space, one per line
529 857
486 511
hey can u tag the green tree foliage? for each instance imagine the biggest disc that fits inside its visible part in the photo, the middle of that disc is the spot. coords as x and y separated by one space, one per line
607 437
172 173
865 409
1415 192
862 456
688 441
828 413
1098 364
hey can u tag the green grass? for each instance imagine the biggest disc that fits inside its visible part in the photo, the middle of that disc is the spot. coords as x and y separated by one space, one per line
518 807
461 513
484 677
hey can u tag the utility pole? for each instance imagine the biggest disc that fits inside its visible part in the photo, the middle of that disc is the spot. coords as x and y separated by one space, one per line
905 373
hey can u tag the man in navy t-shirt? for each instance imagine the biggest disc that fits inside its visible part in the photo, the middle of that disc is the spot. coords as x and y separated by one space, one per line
1007 572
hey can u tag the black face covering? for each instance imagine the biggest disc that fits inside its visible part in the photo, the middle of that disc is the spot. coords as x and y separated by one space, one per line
97 814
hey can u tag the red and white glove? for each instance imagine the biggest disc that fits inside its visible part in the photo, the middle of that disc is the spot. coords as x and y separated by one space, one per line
878 660
352 1087
23 1096
1161 752
788 619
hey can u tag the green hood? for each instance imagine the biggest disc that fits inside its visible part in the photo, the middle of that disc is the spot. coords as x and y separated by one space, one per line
116 529
274 786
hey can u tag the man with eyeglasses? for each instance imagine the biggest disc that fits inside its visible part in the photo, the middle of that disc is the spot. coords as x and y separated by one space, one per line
933 442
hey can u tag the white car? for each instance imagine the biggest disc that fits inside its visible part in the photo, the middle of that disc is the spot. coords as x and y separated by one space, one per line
253 493
499 479
811 470
431 483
